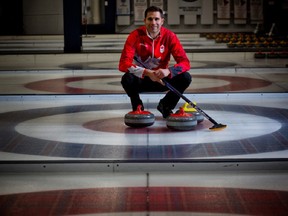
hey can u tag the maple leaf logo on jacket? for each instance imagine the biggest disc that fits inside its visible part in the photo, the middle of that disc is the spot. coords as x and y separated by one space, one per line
162 49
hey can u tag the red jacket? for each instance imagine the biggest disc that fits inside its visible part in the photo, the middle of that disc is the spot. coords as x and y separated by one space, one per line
153 53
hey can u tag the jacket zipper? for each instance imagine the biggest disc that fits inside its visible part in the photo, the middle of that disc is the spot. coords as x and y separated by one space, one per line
152 48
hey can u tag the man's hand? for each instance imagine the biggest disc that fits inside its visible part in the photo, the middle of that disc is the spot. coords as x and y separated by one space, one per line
161 73
152 75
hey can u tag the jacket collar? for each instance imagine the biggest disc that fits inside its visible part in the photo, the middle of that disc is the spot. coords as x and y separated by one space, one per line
159 35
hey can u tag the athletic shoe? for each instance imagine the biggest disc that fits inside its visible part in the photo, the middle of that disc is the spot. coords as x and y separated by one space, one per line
164 110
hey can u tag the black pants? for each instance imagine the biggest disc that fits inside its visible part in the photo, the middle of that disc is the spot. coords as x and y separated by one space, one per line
134 85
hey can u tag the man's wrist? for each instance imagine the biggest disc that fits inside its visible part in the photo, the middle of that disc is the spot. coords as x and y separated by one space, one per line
146 72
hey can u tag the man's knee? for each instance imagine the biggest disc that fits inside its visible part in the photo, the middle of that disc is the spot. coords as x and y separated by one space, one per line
183 79
187 78
127 79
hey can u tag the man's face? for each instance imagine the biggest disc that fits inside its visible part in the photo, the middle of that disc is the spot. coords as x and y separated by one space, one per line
153 22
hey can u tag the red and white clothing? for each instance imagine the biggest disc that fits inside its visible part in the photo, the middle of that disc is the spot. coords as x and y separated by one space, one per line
153 53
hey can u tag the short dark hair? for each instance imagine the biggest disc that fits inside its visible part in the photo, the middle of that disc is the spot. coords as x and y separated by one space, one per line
154 9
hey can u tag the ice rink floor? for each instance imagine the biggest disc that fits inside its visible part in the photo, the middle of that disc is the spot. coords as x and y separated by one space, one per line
92 127
65 150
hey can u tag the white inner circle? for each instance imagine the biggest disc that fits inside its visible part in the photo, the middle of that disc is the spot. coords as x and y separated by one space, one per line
68 128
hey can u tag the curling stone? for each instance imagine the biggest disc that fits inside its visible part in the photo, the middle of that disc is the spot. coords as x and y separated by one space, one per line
139 118
181 121
189 109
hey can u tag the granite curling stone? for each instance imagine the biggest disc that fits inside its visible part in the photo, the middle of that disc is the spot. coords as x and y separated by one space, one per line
181 121
139 118
189 109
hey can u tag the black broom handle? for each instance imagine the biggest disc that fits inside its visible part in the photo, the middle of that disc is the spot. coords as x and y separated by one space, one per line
171 88
174 90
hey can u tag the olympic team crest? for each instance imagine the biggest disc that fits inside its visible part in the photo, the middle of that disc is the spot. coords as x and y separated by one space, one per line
162 48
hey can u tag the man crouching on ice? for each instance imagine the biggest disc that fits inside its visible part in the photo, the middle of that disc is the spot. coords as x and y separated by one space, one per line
145 61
